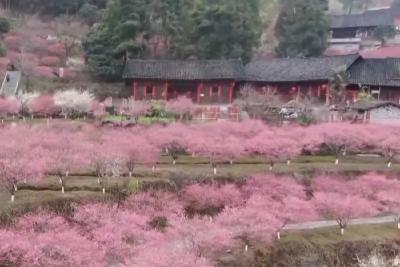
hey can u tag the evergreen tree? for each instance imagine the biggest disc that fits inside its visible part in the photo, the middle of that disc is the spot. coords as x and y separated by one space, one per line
223 29
302 28
120 35
202 29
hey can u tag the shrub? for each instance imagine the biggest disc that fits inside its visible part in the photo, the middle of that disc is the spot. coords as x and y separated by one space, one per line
4 25
89 13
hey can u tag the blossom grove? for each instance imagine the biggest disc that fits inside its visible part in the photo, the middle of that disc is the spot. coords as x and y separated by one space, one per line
192 225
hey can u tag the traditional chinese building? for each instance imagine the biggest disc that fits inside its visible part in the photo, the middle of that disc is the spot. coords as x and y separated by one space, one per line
380 77
293 78
206 82
217 82
354 32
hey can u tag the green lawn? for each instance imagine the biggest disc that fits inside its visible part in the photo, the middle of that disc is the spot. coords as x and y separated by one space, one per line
329 235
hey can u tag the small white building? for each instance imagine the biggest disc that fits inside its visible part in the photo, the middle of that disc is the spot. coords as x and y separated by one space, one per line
377 111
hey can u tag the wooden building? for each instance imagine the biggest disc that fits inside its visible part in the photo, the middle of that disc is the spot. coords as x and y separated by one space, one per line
380 77
206 82
360 25
354 32
217 82
300 78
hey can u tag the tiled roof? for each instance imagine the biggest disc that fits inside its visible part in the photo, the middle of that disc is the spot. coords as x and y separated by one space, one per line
184 70
376 72
298 69
368 105
370 18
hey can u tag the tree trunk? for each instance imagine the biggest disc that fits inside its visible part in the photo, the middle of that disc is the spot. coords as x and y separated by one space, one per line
173 162
215 170
271 166
389 164
98 180
153 169
246 248
62 190
103 190
15 187
337 161
12 198
278 235
231 162
130 174
288 162
342 230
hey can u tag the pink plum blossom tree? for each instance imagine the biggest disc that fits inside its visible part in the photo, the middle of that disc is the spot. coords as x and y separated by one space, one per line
42 106
343 208
182 106
9 106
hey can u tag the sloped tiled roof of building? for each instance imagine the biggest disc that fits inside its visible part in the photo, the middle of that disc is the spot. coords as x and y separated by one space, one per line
370 18
184 70
376 72
298 69
369 105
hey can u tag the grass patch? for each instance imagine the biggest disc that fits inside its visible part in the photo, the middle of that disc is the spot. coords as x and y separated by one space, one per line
329 235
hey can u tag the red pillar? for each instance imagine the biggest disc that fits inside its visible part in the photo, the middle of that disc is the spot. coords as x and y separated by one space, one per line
199 92
145 91
135 91
153 91
166 90
219 89
230 93
328 95
319 91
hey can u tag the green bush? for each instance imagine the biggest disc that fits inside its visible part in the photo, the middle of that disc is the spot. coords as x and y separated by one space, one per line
4 25
3 50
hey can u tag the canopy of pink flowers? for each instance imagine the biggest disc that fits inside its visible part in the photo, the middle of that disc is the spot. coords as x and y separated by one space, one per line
193 225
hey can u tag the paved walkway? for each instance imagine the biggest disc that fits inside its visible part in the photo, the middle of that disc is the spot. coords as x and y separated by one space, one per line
9 86
323 224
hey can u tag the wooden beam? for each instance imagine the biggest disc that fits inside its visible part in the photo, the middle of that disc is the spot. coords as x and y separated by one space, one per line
135 91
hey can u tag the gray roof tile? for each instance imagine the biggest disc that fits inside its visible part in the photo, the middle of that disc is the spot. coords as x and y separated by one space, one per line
298 69
371 18
376 72
184 70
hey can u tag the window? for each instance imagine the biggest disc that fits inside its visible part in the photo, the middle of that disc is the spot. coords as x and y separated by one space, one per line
214 90
149 90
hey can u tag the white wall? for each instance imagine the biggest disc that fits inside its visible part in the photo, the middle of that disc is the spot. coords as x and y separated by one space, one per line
385 115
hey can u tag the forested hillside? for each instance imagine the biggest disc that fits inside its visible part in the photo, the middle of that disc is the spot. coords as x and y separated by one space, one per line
105 33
